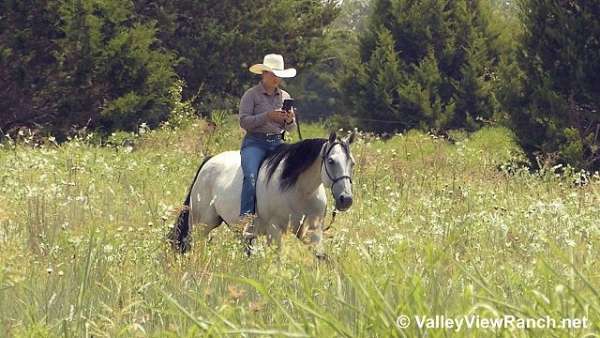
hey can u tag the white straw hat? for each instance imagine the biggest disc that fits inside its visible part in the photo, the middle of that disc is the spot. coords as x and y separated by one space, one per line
273 63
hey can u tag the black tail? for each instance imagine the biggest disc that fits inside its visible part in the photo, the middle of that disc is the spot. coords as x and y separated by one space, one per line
179 236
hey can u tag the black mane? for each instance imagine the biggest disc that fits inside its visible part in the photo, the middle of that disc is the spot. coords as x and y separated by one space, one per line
299 157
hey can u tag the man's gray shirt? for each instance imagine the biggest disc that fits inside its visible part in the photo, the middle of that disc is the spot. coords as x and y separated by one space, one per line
255 105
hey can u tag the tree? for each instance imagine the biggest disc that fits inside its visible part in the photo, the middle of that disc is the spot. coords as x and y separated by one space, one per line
28 34
318 87
112 64
425 64
556 108
217 40
81 63
111 61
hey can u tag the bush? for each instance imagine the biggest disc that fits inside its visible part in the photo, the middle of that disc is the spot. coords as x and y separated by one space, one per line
555 103
81 64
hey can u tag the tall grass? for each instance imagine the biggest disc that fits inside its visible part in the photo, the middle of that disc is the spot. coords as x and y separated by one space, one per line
436 228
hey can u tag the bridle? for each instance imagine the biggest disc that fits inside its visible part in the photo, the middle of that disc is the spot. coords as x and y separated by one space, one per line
336 179
326 155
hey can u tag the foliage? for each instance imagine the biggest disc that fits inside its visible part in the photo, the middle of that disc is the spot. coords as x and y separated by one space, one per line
318 87
216 41
426 64
123 77
555 102
28 34
110 65
103 69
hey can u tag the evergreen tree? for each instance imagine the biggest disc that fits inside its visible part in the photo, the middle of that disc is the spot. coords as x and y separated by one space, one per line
28 57
121 78
217 40
70 64
110 64
425 64
555 107
317 87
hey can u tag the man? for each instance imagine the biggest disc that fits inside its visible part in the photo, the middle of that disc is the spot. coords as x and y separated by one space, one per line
264 121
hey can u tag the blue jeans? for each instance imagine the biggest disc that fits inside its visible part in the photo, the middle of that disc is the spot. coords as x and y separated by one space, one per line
253 152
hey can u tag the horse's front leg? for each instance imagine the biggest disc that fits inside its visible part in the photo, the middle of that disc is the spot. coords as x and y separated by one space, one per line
274 235
315 231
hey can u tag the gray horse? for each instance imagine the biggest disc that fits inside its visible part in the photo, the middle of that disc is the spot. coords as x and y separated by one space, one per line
290 191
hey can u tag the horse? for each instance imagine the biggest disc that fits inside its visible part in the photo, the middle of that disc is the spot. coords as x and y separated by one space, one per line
290 191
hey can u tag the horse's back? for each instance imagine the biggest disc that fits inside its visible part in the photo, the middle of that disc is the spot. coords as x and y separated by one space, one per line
224 162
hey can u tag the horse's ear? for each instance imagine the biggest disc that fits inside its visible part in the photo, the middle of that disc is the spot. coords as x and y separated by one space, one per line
332 137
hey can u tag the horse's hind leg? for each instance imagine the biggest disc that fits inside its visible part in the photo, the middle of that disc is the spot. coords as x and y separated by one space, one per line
210 226
180 234
209 220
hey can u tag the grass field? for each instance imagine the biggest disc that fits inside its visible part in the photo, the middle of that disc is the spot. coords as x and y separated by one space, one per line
437 228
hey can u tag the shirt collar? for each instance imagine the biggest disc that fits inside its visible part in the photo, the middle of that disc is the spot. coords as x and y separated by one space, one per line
264 90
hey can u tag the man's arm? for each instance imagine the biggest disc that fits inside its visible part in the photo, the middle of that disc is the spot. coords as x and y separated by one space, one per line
248 121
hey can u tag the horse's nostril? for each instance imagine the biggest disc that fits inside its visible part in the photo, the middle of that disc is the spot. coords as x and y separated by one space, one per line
345 200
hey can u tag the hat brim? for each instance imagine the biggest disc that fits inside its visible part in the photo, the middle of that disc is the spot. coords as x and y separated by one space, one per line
260 68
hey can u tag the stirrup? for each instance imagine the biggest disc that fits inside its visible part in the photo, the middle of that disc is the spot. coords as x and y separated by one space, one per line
249 230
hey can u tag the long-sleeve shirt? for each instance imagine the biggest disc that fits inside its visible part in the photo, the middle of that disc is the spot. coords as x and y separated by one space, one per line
255 105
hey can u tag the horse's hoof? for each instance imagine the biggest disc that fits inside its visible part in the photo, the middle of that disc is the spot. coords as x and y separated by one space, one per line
321 256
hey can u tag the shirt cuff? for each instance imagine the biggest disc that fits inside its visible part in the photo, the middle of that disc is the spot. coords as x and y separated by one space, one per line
288 126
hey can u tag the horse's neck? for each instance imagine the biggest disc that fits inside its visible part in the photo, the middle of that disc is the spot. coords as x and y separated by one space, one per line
310 180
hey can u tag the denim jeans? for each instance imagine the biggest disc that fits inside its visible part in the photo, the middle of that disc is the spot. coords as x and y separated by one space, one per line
253 152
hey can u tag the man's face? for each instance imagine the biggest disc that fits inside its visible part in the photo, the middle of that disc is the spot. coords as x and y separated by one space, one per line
270 79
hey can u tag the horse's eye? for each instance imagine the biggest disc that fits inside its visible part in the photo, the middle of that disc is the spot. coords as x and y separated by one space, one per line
330 161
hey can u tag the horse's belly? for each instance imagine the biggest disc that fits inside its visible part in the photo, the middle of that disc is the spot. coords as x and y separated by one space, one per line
228 198
285 209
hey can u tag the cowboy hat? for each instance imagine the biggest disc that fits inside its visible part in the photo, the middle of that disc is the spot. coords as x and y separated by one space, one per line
273 63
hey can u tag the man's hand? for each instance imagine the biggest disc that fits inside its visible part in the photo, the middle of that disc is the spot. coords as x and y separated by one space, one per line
277 116
289 116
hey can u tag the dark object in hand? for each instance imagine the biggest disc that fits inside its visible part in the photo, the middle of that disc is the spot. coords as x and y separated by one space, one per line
287 104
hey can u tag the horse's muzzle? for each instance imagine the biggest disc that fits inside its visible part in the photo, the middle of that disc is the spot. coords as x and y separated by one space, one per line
343 202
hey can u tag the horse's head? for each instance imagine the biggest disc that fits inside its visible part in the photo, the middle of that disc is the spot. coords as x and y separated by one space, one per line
337 168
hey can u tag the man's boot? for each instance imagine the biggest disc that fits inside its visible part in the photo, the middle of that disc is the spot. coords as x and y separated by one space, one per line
249 233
